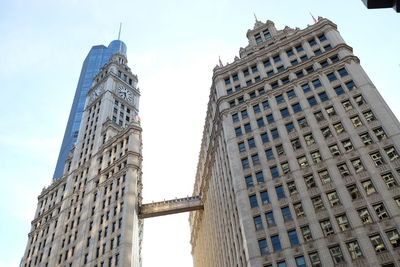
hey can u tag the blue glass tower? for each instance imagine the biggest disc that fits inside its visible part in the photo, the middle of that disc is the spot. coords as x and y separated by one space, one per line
97 57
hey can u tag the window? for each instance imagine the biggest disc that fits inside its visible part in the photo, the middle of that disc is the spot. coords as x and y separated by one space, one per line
227 81
316 157
256 108
262 244
270 118
276 243
298 209
389 180
255 159
343 222
326 227
366 139
310 69
294 240
310 182
377 242
327 47
296 144
391 153
302 122
350 85
365 216
354 250
299 74
324 63
291 94
377 158
249 82
323 96
285 113
348 145
317 203
334 59
266 63
316 83
331 77
253 201
279 150
338 128
357 165
287 216
289 52
312 42
302 161
321 38
306 88
249 181
343 72
275 133
277 58
254 69
339 90
343 169
280 68
303 58
260 177
279 99
330 111
247 128
347 105
353 191
309 139
397 199
299 48
285 167
334 149
333 198
324 176
274 172
300 262
380 211
369 116
359 100
264 197
394 238
237 87
380 134
260 122
315 260
245 163
235 117
336 254
251 143
235 77
296 107
319 116
306 233
312 101
280 192
269 154
246 72
264 137
317 52
238 131
252 94
289 127
294 62
242 147
282 264
269 216
258 223
232 103
270 73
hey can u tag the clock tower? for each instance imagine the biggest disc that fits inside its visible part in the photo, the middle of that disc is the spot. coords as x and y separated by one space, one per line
89 217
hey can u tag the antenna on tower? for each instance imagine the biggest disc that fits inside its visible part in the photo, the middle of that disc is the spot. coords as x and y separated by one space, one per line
119 33
255 16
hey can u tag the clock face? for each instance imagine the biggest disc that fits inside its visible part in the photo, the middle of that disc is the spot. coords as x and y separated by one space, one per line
125 93
95 94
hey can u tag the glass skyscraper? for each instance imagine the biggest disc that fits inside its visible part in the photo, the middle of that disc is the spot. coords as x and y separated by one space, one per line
97 57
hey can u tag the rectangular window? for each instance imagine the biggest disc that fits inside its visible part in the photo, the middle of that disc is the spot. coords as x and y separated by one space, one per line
302 161
294 62
310 182
227 81
343 169
264 197
289 127
253 201
285 113
326 227
246 72
380 133
389 180
306 232
235 77
279 99
251 143
391 153
269 216
285 167
235 117
380 211
266 63
276 243
316 83
369 116
317 52
324 177
354 192
323 96
343 222
333 198
249 181
294 240
274 133
262 244
334 59
260 177
269 154
316 157
300 262
270 118
260 122
331 77
394 238
241 147
287 216
312 101
302 122
339 90
309 69
258 223
357 165
264 138
350 85
366 139
289 52
274 172
321 38
256 108
247 128
354 250
326 132
334 149
315 260
280 68
347 105
300 74
324 63
254 69
309 139
270 73
338 128
365 216
336 254
306 88
343 72
245 163
327 47
277 58
377 243
255 159
317 203
298 209
312 42
377 158
296 107
280 192
299 48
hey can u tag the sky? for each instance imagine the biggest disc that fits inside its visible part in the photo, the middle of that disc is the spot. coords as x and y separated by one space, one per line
172 47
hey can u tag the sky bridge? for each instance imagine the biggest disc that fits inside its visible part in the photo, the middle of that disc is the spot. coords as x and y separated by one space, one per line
172 206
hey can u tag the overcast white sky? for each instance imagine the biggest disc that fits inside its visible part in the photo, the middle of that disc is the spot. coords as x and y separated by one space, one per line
172 47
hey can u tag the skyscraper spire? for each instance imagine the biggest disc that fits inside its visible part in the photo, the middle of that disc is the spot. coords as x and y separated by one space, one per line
119 33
